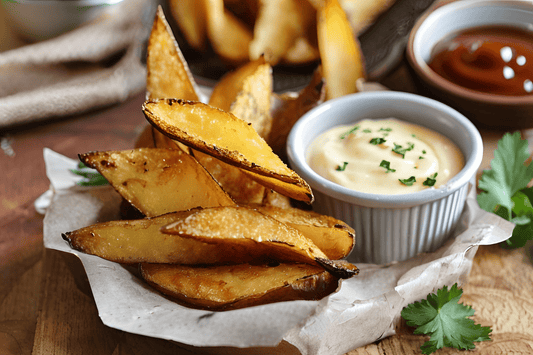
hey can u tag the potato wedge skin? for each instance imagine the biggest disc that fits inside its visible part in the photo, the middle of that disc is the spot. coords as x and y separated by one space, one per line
222 288
157 181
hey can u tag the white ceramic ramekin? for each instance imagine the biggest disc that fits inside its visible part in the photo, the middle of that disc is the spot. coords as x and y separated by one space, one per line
390 227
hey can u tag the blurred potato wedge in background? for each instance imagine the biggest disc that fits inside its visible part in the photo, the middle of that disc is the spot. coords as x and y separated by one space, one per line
157 181
190 16
228 138
334 237
278 25
340 53
238 286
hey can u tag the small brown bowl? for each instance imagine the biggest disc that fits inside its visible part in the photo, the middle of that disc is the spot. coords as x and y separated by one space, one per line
485 110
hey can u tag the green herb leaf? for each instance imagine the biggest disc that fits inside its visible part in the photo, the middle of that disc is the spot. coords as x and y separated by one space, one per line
377 141
346 134
430 181
91 176
341 168
386 164
385 129
367 130
445 320
505 190
408 182
398 149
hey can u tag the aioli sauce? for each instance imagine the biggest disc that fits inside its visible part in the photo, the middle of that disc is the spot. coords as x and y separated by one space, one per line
491 59
353 156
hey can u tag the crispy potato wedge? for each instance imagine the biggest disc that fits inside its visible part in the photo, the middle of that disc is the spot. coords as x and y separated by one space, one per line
334 237
278 25
303 51
158 181
237 286
141 240
167 71
265 235
233 180
273 198
254 101
190 15
291 108
228 138
227 89
342 60
229 36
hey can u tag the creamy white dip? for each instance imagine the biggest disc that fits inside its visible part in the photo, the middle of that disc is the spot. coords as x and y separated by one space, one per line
385 156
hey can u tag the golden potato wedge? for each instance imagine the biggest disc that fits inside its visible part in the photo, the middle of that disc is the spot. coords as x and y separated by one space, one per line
254 101
293 107
278 25
229 36
334 237
238 227
158 181
302 51
168 74
342 60
237 286
363 13
228 138
238 185
273 198
141 240
227 89
190 15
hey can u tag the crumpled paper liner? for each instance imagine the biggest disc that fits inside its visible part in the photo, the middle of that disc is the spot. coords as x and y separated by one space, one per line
95 65
365 309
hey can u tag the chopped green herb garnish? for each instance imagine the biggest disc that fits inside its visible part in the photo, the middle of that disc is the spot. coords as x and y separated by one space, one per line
355 128
424 151
367 130
408 182
377 141
386 164
430 181
421 157
343 167
398 149
385 129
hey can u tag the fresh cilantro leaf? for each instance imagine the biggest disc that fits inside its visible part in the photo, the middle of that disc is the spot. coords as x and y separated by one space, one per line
91 177
341 167
377 141
386 164
431 180
409 182
346 134
505 190
398 149
445 320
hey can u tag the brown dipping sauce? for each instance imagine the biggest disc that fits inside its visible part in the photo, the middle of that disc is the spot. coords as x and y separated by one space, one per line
493 59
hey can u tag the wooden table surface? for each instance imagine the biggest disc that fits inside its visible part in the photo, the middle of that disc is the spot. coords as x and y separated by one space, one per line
46 306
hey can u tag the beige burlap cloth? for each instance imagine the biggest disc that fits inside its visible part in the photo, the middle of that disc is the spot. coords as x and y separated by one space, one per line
98 64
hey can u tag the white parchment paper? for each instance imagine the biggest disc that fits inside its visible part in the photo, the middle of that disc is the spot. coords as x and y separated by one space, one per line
365 309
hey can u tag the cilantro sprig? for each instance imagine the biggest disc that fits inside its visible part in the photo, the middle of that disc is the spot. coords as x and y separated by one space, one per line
504 188
91 177
445 320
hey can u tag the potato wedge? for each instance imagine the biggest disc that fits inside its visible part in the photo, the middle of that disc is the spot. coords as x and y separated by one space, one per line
146 138
227 89
363 13
342 60
253 103
278 25
291 109
228 138
158 181
233 180
273 198
190 15
137 241
231 287
334 237
303 51
229 36
238 227
168 74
